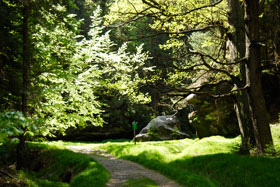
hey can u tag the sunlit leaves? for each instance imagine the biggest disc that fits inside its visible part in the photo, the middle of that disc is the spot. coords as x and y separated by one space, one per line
119 68
14 124
75 69
193 26
174 17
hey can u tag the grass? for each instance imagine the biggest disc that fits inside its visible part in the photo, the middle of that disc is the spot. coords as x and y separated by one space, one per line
203 162
173 158
33 181
209 161
56 163
275 130
141 182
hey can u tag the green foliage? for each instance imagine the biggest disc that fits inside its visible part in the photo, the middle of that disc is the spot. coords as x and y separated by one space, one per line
33 181
62 92
119 68
169 16
192 28
175 133
153 132
76 69
10 59
15 124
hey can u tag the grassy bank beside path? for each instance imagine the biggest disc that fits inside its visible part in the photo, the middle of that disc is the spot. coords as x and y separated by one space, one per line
210 161
55 166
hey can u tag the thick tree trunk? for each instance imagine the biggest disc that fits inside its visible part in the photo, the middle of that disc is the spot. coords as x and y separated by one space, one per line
253 76
25 55
245 123
236 45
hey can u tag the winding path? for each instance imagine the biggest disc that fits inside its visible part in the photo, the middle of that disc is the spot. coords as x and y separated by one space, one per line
123 170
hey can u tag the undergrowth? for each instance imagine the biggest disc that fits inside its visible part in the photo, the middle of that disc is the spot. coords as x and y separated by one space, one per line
55 166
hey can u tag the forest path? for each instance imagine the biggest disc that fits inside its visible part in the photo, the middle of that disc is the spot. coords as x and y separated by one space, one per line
123 170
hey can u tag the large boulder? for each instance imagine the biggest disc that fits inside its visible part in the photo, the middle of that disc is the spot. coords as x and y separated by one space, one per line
213 116
164 128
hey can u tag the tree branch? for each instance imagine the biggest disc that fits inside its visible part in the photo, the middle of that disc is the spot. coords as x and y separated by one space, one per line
164 33
199 8
151 3
218 62
126 22
155 5
188 69
7 174
186 92
216 69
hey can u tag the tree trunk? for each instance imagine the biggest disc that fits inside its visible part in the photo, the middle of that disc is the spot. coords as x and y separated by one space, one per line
253 77
26 64
25 56
20 152
245 123
237 48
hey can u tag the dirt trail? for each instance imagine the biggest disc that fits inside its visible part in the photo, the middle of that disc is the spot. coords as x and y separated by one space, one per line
123 170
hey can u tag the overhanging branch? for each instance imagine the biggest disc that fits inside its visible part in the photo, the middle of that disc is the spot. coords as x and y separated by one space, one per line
186 92
198 8
163 33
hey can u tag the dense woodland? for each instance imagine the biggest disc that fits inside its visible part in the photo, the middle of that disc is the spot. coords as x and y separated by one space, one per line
67 65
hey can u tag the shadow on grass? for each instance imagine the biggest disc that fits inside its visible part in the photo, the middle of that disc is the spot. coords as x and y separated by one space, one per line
95 142
211 170
60 167
233 169
141 182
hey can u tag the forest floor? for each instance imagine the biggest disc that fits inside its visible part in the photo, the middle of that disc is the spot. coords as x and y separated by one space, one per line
123 170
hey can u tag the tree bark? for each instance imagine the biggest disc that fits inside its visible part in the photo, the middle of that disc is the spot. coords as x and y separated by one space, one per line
236 45
25 57
25 72
20 152
253 77
245 123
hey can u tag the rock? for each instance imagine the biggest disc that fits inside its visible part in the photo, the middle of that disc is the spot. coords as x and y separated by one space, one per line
213 116
164 128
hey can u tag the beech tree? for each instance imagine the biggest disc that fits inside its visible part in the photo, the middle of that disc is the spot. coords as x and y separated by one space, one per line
67 70
237 49
253 77
68 87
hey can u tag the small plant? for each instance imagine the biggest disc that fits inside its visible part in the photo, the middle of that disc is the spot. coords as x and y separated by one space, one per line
153 133
15 128
15 124
175 133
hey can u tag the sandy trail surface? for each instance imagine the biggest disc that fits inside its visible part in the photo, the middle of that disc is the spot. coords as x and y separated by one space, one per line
123 170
